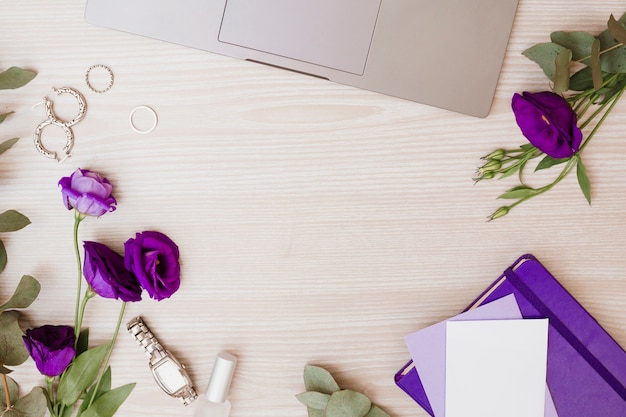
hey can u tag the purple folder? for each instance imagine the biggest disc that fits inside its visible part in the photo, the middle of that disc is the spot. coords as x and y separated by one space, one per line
586 372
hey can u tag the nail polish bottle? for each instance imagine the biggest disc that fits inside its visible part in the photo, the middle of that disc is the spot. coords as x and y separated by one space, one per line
215 403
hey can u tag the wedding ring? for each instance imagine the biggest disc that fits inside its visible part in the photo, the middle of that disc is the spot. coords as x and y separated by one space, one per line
154 119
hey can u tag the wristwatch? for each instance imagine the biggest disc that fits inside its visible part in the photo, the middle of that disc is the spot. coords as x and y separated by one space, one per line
169 374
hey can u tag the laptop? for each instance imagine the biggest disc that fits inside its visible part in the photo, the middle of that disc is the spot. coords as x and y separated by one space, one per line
444 53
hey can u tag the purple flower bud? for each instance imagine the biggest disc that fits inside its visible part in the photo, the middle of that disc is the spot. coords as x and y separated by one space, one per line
153 258
51 347
548 122
88 192
105 272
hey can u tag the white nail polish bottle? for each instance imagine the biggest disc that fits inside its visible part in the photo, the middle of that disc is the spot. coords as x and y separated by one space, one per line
214 403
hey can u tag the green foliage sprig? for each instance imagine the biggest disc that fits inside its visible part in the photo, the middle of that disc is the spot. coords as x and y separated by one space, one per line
324 398
589 71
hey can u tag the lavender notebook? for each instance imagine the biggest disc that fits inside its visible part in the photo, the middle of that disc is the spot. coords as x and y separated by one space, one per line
586 372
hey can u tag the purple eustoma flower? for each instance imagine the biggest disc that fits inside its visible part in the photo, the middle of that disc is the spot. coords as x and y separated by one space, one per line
105 272
88 192
153 258
51 347
548 122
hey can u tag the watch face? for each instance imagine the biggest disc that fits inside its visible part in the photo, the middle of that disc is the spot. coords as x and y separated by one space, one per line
168 375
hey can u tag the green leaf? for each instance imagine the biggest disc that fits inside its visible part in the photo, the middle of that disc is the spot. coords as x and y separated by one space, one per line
614 61
81 373
561 71
11 221
581 80
544 54
25 293
578 42
376 411
33 404
583 180
348 403
319 379
518 192
617 30
596 70
314 399
14 392
548 162
103 387
12 349
316 413
7 144
107 404
15 77
4 116
83 341
3 256
4 370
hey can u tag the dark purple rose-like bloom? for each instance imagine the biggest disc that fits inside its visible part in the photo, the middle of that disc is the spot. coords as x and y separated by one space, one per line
51 347
548 122
153 258
105 272
88 192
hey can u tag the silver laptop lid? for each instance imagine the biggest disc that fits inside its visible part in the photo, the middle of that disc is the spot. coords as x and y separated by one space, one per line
445 53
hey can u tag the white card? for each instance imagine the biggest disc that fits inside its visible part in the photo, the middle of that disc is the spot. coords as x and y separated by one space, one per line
496 368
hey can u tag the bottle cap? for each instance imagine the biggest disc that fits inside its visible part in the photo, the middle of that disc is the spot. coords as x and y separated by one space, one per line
222 375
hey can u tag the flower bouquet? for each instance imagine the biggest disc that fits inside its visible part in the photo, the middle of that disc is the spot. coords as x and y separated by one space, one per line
78 377
588 75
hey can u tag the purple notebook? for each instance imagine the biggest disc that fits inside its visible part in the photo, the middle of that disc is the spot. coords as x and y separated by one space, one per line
586 372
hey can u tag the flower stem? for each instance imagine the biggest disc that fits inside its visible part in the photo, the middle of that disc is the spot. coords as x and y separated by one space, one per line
7 398
108 354
78 217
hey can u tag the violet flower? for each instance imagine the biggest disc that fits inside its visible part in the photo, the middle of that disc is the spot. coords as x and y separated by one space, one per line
88 192
153 258
51 347
548 122
105 272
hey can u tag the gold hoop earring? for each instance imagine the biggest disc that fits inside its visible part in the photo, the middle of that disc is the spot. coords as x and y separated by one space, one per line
82 106
69 143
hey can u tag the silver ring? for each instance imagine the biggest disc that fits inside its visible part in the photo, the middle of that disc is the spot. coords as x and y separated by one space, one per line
91 87
154 117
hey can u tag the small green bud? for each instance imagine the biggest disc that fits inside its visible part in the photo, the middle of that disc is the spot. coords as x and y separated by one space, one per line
502 211
496 155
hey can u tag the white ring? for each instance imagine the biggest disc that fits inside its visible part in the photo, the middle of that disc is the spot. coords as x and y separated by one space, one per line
154 115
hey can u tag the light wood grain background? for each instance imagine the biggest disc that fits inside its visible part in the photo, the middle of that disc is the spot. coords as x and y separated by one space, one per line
318 223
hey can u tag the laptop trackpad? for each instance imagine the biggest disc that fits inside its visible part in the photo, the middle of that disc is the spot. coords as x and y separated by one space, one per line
331 33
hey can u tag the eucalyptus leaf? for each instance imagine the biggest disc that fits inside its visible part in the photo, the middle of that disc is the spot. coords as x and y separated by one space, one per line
316 413
7 144
614 61
14 392
4 116
319 379
15 77
561 71
617 30
581 80
578 42
4 370
12 220
314 399
548 162
81 373
544 54
596 70
583 180
108 403
3 256
12 349
33 404
25 293
347 403
376 411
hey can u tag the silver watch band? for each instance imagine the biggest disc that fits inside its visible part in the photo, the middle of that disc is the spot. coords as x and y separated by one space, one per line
155 351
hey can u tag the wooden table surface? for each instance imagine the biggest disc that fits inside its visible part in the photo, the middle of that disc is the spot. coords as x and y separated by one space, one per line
317 223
